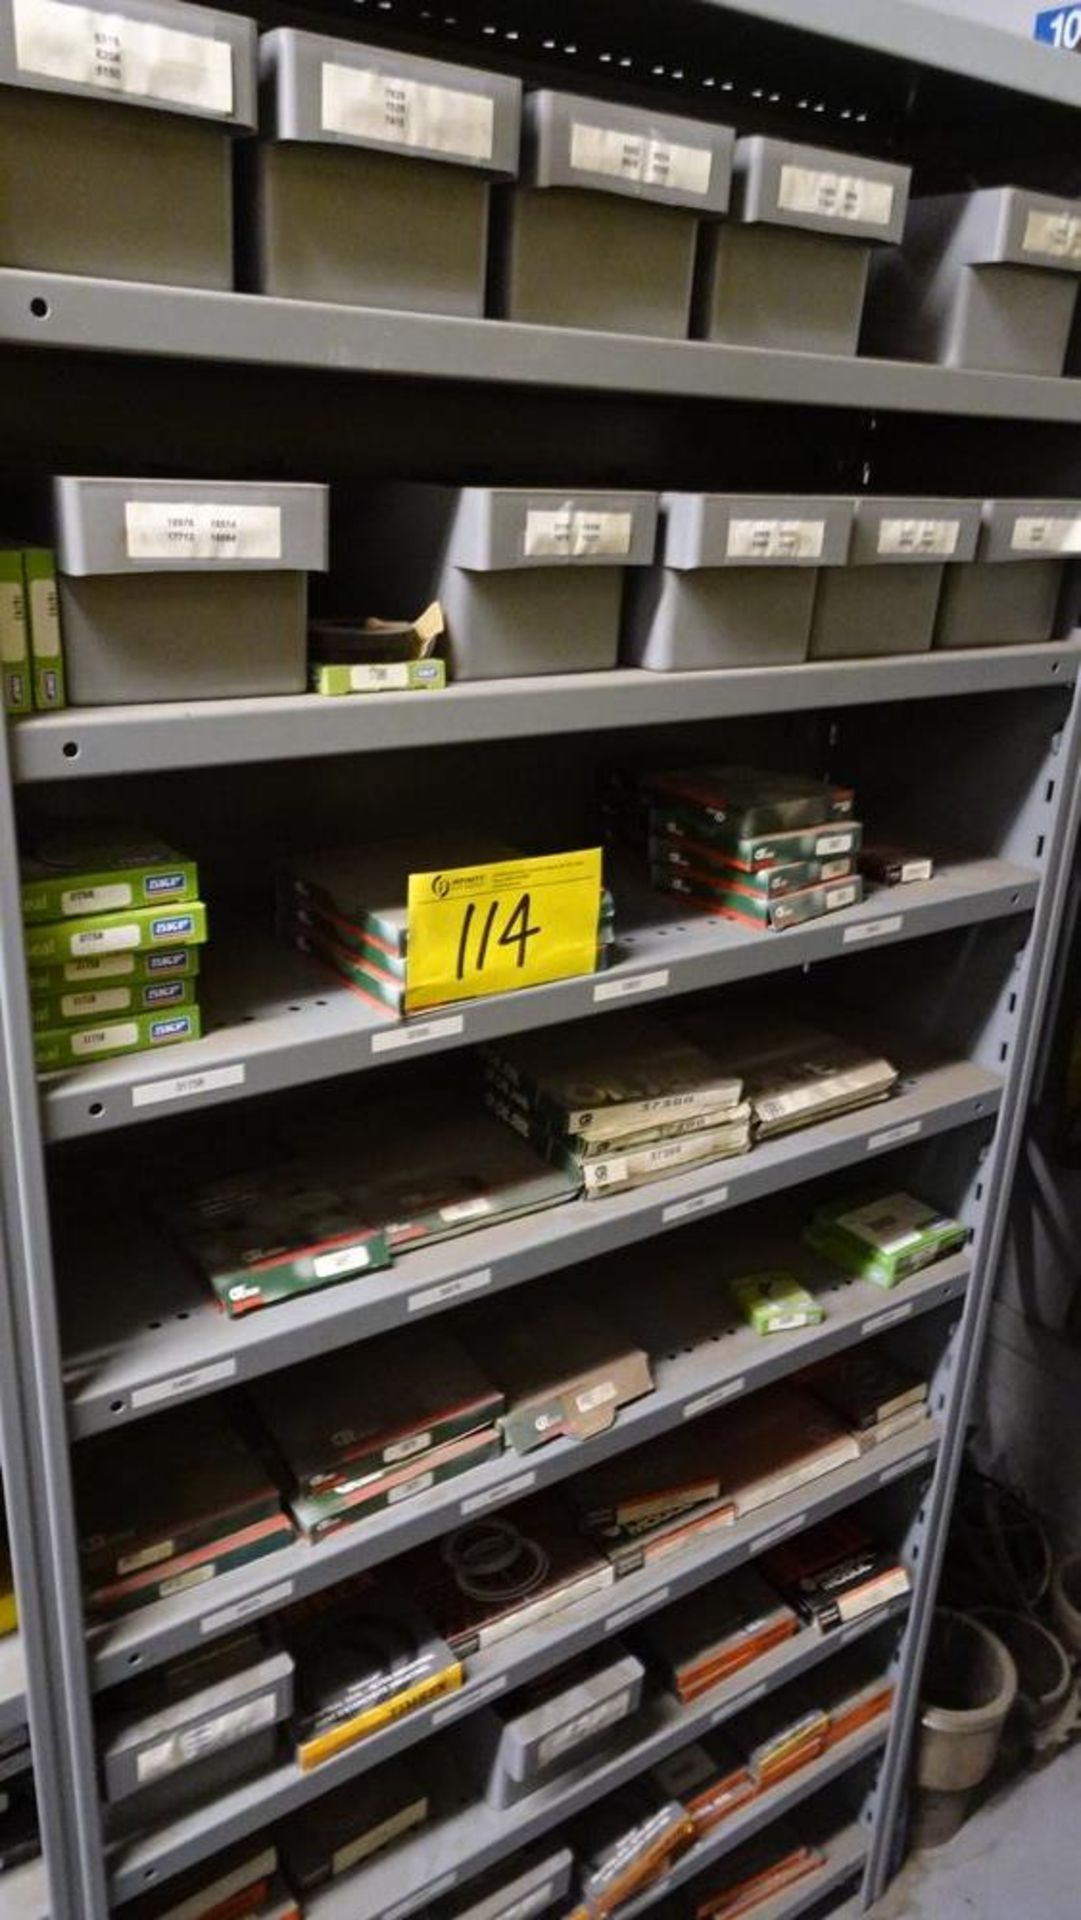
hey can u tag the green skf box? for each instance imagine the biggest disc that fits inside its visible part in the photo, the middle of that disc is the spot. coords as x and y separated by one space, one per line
74 1046
61 940
43 622
775 1302
68 876
81 1006
883 1237
385 676
14 634
98 970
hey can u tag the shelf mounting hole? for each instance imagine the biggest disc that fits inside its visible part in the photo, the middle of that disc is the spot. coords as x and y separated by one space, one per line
40 307
96 1109
70 749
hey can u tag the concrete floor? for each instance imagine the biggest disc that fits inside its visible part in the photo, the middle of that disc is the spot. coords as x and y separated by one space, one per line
1018 1858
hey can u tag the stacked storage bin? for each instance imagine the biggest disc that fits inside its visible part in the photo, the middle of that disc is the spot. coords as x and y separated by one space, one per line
1013 593
92 185
885 599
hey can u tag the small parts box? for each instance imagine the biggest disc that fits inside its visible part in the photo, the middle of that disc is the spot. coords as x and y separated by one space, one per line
185 589
885 600
1011 595
373 175
602 228
788 268
93 185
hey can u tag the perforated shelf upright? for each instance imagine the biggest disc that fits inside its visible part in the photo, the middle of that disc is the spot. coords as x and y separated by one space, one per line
100 1332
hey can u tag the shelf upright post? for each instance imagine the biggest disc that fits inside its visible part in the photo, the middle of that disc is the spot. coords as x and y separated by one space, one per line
33 1432
1021 1033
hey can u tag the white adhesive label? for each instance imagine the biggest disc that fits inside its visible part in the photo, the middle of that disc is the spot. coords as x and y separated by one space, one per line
880 1321
872 930
648 162
836 196
146 1557
119 55
599 1396
410 1487
405 1449
893 1136
698 1203
186 1086
616 1621
201 530
105 940
936 537
389 674
839 897
44 619
833 843
494 1496
406 113
12 624
449 1290
243 1609
775 539
84 1006
119 969
766 1540
124 1033
1046 533
630 989
465 1210
194 1743
398 1037
109 899
576 533
182 1581
471 1697
182 1384
714 1398
327 1266
1056 234
582 1727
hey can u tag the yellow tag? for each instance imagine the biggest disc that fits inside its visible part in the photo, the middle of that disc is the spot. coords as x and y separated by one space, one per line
492 929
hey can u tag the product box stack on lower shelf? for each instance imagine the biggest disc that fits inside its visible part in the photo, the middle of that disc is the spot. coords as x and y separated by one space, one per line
566 764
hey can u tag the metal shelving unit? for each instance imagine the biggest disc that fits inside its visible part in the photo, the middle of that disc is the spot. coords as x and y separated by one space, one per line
103 1337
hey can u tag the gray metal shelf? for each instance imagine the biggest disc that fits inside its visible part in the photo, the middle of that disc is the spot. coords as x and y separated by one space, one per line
648 1737
395 1883
846 1852
51 310
142 1332
86 742
277 1019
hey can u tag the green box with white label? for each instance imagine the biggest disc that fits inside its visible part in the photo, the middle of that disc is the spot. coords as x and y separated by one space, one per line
70 875
884 1237
382 676
81 1006
139 931
14 634
775 1302
106 969
43 621
74 1046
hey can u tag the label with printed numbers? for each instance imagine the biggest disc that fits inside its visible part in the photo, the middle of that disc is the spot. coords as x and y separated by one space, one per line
698 1203
187 1086
648 162
872 930
201 531
629 989
495 1496
407 113
243 1609
449 1290
1058 235
415 1035
835 196
183 1384
893 1136
714 1398
575 533
937 537
119 55
1046 533
775 539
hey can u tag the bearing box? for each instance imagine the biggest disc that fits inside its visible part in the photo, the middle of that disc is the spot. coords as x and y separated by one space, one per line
788 268
602 228
144 929
526 1740
1010 595
185 589
734 585
885 600
530 581
70 874
373 176
72 1046
83 1006
109 969
14 634
985 279
93 186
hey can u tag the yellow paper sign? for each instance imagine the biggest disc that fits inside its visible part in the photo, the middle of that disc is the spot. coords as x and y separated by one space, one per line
492 929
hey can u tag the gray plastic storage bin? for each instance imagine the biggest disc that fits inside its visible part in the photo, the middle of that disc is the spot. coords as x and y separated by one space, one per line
735 581
886 598
91 186
788 268
372 179
525 1743
602 229
985 279
185 589
1010 594
530 580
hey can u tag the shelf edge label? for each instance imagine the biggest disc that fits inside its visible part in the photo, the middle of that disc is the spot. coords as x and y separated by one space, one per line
872 930
893 1136
698 1203
243 1609
188 1086
629 989
183 1383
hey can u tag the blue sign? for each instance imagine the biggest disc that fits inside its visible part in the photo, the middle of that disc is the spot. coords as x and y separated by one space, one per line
1059 27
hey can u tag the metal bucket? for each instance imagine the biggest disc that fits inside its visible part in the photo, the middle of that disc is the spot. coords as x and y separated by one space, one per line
969 1686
